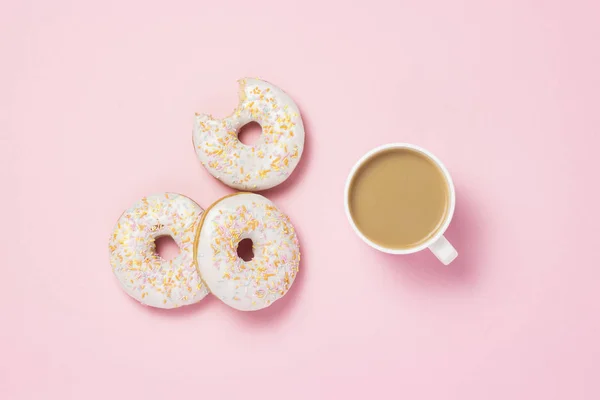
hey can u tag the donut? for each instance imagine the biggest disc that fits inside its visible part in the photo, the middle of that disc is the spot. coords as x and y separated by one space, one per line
143 274
258 283
271 160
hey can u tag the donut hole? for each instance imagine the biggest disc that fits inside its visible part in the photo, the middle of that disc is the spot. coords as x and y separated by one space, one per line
166 247
244 250
249 133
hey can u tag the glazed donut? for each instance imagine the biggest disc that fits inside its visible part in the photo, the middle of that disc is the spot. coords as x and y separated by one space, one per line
247 285
143 274
276 153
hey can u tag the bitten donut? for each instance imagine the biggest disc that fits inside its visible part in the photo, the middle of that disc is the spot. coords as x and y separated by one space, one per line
247 285
276 153
143 274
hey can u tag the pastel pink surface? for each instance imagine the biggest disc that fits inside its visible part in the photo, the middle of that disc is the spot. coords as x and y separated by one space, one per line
96 106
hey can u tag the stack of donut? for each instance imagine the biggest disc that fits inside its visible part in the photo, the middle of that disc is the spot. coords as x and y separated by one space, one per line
208 239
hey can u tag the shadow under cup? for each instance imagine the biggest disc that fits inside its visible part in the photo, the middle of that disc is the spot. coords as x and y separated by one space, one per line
399 198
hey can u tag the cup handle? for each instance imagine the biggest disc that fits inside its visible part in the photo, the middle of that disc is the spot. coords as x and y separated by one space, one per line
443 250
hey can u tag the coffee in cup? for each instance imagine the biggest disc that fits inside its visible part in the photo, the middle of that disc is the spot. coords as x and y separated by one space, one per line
400 199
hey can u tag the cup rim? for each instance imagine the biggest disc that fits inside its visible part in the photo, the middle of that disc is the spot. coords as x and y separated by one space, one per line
449 182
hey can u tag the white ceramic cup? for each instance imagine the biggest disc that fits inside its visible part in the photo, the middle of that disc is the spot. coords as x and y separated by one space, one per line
438 244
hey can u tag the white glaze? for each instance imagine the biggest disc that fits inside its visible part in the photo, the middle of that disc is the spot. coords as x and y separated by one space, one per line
143 274
255 284
275 155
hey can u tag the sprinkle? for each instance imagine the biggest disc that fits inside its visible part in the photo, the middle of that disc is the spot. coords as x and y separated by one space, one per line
241 166
144 275
276 250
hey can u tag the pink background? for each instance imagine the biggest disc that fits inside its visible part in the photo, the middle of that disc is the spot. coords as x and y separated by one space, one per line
96 106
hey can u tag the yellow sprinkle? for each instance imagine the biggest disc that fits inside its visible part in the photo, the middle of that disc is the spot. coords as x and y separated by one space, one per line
263 173
267 276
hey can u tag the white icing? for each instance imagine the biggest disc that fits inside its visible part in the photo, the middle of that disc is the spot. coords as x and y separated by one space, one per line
255 284
143 274
275 155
